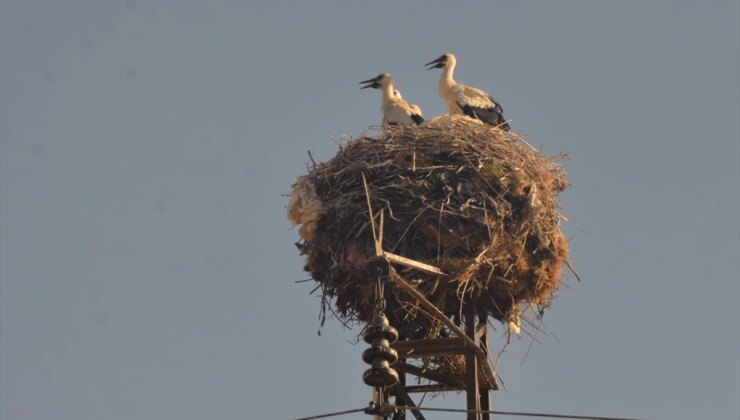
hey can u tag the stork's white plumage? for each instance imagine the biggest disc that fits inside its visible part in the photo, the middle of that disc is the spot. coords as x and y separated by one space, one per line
446 121
415 108
466 100
396 111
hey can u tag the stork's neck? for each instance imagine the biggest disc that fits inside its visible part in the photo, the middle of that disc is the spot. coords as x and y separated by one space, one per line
388 93
445 79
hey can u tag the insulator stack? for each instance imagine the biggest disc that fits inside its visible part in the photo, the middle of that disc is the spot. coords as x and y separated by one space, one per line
380 335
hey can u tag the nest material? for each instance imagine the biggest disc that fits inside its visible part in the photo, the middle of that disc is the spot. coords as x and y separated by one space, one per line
478 202
304 208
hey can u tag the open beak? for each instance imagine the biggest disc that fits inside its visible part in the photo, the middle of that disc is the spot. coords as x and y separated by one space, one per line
370 83
436 63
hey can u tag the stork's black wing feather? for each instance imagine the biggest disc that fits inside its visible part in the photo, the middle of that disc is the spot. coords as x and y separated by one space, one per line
493 116
496 105
417 118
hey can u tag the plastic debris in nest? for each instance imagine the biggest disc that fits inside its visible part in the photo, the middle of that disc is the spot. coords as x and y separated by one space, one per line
478 202
304 208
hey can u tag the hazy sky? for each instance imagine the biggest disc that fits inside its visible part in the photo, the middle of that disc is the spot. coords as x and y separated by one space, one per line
147 268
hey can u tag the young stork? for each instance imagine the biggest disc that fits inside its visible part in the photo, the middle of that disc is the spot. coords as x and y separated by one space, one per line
466 100
414 108
396 111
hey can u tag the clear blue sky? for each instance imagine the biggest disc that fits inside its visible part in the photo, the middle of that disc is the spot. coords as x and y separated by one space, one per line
147 267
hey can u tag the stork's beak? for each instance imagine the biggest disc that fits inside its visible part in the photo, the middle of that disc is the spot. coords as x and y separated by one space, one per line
436 63
371 83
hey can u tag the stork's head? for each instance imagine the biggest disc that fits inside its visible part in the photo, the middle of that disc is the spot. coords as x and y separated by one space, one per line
442 61
377 82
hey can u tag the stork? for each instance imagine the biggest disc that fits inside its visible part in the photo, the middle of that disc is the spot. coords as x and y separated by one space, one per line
396 111
466 100
415 108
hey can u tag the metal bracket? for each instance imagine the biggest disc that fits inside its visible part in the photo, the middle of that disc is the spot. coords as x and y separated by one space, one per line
378 268
382 409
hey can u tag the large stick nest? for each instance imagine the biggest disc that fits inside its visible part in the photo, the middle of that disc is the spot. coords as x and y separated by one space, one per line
478 202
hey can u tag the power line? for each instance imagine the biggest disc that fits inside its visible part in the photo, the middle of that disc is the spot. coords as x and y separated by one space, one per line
338 413
462 410
515 413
